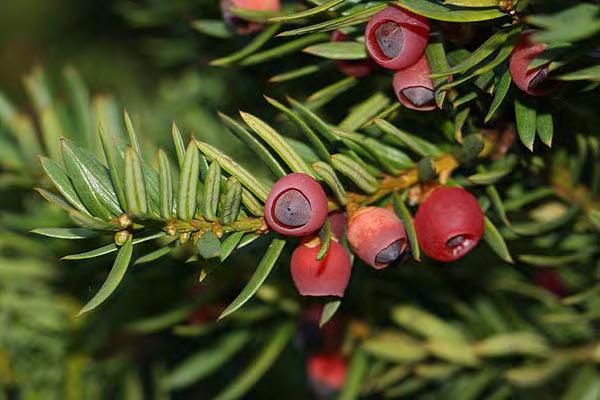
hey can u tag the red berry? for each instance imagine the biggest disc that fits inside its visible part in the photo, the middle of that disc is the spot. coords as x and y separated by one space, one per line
357 69
377 236
339 222
327 277
535 81
327 372
396 38
449 224
241 26
551 281
414 87
296 206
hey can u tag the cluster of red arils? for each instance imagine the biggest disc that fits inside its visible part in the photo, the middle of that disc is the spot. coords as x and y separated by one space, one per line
449 224
396 39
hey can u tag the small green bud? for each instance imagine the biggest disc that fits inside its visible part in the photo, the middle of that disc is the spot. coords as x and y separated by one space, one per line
122 237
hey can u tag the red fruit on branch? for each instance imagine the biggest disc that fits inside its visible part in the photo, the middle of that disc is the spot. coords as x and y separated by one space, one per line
327 373
397 38
296 206
449 224
327 277
339 222
240 25
357 69
414 87
377 236
534 82
551 281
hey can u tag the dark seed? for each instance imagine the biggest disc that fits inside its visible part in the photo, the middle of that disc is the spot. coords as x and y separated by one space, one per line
418 95
292 209
540 80
390 253
390 39
456 241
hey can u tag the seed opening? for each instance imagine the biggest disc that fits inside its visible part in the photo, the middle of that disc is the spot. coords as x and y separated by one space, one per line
460 244
540 80
390 253
390 39
292 209
419 96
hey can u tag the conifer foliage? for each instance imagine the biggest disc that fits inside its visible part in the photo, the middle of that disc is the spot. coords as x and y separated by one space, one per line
454 157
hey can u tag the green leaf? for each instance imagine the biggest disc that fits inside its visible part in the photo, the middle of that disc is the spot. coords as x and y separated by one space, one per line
254 144
395 347
476 57
153 256
135 186
355 172
457 351
260 365
115 163
51 130
348 50
570 25
327 174
513 343
590 73
91 181
259 41
66 233
307 13
214 28
111 248
329 310
364 111
526 121
315 141
325 238
418 146
545 127
495 240
230 244
490 177
436 55
252 204
426 324
114 278
206 362
245 177
284 49
232 201
166 185
178 143
188 183
406 217
344 21
277 143
330 92
262 271
494 197
61 181
296 73
314 120
133 140
450 13
554 260
357 372
212 191
501 90
209 246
